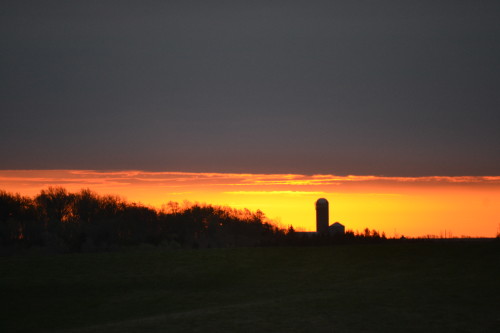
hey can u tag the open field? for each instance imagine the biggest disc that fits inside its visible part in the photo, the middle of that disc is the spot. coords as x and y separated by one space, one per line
411 287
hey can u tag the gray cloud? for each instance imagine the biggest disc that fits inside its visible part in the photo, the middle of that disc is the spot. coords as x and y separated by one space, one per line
391 87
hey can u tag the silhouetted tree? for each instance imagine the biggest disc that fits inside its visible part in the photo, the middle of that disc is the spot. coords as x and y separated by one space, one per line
86 221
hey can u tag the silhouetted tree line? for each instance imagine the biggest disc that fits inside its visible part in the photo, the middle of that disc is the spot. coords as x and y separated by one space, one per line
86 221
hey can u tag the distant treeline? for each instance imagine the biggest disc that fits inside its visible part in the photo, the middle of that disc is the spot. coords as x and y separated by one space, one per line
61 221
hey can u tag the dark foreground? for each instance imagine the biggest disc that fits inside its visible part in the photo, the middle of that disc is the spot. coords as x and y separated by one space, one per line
431 287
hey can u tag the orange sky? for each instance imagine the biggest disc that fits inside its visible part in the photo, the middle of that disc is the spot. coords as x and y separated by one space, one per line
411 206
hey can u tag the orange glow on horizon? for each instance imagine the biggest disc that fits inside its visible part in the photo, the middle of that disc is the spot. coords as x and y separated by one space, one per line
411 206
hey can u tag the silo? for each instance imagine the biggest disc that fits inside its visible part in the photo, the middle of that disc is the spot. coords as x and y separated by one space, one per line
322 216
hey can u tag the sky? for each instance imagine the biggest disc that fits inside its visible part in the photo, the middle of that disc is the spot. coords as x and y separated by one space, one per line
313 95
410 206
392 88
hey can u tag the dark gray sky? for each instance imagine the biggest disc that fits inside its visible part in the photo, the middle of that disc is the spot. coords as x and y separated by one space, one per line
344 87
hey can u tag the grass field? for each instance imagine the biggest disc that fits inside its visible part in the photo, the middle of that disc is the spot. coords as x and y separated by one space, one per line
432 287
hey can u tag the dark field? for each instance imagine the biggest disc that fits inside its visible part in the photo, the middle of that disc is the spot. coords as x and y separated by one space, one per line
411 287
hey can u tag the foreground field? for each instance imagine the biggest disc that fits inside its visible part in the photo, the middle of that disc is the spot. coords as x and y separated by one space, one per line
351 288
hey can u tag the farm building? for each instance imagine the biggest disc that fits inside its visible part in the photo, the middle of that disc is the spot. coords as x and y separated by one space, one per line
336 229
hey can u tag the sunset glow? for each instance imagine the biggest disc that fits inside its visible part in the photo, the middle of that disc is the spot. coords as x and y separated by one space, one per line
410 206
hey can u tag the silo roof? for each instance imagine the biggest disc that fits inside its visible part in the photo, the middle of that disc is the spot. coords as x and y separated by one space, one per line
321 201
